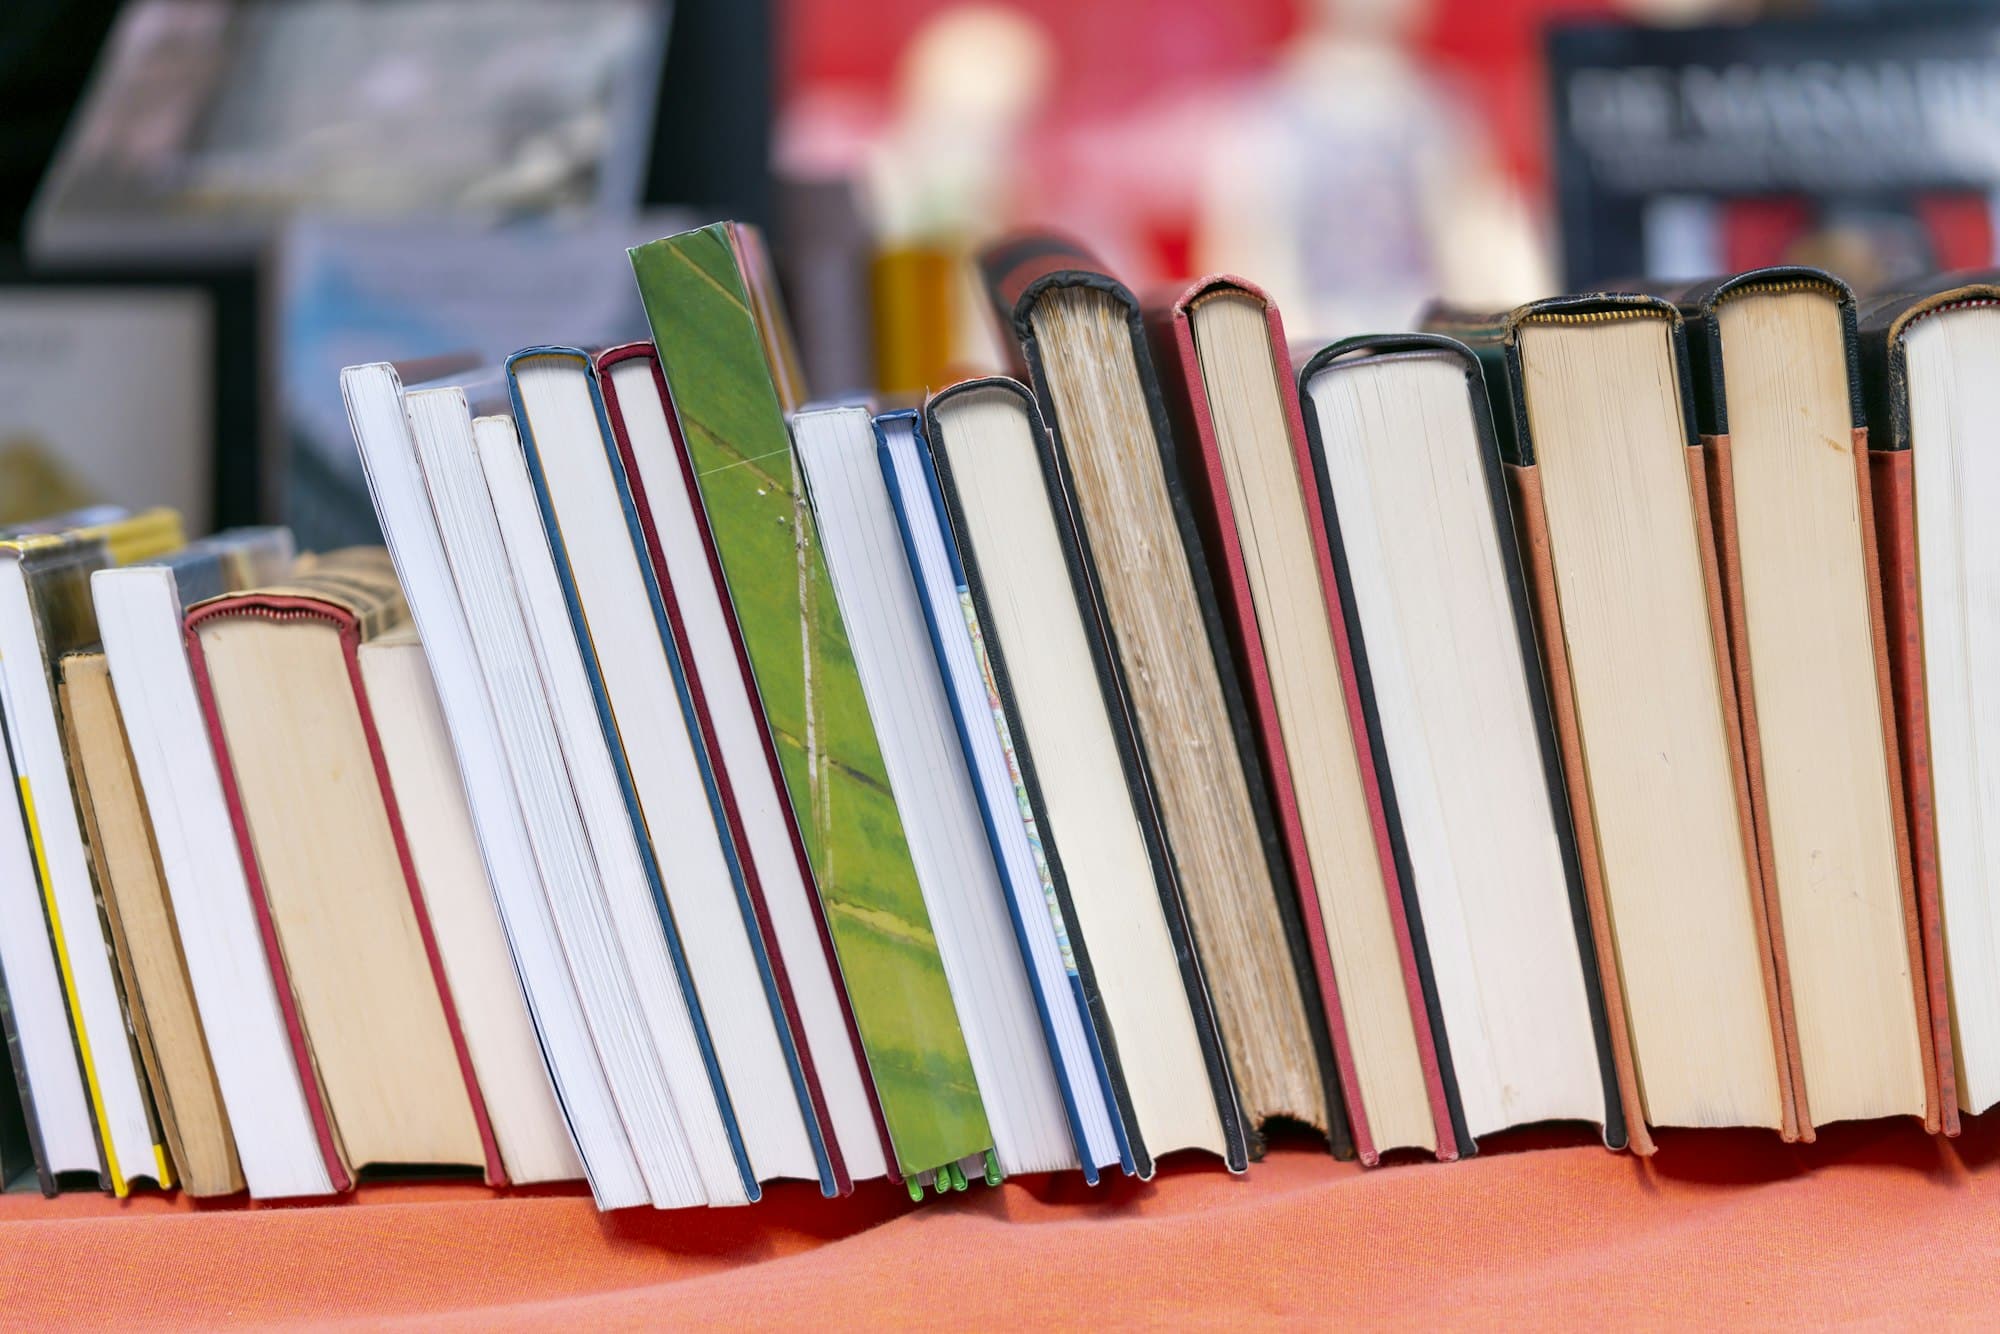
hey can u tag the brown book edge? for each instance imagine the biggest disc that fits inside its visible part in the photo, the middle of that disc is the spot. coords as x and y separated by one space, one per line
1913 932
1892 555
138 1030
1739 725
1717 502
1531 520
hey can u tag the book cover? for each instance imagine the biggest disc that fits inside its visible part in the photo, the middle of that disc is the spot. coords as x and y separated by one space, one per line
552 529
961 622
1698 305
1882 324
1194 433
716 327
1494 338
355 593
1615 1133
757 909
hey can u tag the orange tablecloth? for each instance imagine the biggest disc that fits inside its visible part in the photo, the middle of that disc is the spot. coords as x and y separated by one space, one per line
1875 1223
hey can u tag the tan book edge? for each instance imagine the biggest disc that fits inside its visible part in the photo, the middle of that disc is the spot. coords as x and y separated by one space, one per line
146 947
1531 519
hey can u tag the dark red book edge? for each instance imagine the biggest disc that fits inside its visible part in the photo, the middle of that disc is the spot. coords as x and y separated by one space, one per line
269 606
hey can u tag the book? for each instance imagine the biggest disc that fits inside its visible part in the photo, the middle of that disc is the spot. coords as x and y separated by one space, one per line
1221 349
727 360
1402 462
152 973
23 1150
344 929
1592 407
45 612
139 614
1083 339
838 450
1127 928
672 1017
1013 833
748 777
1778 407
642 689
1923 357
500 1039
624 959
494 720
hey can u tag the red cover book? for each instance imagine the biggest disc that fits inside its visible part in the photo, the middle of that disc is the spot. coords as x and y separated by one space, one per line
356 596
644 354
1195 436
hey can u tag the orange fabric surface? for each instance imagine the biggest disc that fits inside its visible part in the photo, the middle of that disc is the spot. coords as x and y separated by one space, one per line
1874 1223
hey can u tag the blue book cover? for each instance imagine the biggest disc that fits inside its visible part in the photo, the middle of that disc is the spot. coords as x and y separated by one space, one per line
1040 929
553 530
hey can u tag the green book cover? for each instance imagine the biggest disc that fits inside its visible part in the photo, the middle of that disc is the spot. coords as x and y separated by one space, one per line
708 320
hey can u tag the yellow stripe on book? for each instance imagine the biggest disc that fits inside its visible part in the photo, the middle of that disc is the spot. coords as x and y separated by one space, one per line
166 1176
118 1187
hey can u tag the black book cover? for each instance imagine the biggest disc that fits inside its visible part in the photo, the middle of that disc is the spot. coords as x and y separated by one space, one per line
1349 351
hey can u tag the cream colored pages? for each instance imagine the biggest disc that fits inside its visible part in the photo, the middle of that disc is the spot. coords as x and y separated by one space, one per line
1294 624
1429 580
1011 536
500 1036
337 894
1604 410
1812 660
1954 401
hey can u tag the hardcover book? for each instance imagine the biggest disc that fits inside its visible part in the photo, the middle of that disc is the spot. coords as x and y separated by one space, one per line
159 1005
643 692
727 362
372 1022
1925 360
1080 770
750 782
1223 359
1401 460
1146 566
1593 410
1776 382
1042 930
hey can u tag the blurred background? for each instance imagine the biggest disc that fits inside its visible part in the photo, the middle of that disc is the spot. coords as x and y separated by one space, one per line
207 207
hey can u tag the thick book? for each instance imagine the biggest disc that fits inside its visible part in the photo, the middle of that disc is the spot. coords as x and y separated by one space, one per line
1083 337
368 1009
45 612
1014 837
750 782
1925 374
726 356
1401 460
1221 350
1777 400
139 615
159 1004
643 695
1594 415
1082 775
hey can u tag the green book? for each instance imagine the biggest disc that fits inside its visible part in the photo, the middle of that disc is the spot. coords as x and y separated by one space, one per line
728 362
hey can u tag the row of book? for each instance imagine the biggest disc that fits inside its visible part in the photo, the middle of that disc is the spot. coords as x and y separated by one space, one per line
1537 719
